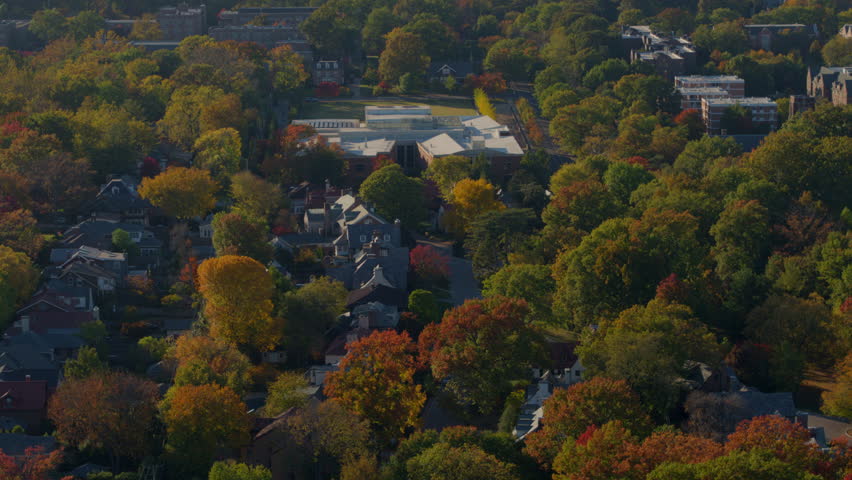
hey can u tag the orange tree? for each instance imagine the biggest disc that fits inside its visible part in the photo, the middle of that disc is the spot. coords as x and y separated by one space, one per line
479 347
787 441
200 420
181 192
114 412
376 381
569 412
237 295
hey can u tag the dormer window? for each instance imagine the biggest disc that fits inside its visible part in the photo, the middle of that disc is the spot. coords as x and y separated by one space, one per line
115 190
363 238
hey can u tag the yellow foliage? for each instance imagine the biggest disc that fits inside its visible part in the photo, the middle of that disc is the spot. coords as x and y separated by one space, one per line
471 198
237 295
483 103
181 192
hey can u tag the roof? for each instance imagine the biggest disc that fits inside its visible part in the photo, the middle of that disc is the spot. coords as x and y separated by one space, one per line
26 395
709 78
16 444
746 102
834 428
562 354
48 341
22 357
55 322
759 403
377 293
277 422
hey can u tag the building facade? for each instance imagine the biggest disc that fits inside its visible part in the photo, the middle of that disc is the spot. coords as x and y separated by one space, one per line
763 113
180 22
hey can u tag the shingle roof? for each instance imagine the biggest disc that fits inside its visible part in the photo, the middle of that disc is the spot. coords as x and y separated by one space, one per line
16 444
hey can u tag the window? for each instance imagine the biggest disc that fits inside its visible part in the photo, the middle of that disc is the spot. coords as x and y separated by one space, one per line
363 238
387 237
577 373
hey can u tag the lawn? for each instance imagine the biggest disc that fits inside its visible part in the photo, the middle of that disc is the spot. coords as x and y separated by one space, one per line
354 108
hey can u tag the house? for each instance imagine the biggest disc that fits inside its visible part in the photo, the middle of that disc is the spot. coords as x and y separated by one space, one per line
800 103
841 89
375 315
529 418
98 234
316 374
826 429
205 228
564 368
767 36
441 70
118 201
846 31
274 447
24 403
327 71
58 347
115 262
670 56
377 291
268 15
86 274
336 349
21 362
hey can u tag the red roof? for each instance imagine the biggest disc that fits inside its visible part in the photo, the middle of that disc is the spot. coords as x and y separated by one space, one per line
42 322
26 395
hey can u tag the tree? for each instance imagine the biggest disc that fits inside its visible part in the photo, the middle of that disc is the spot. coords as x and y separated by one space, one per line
287 391
380 21
569 412
583 205
122 242
649 346
471 198
447 171
622 178
753 464
837 52
200 360
199 421
376 381
85 24
556 101
36 464
598 454
742 238
219 152
531 283
664 446
111 137
512 57
231 470
18 279
788 441
181 192
395 195
234 234
470 351
254 197
86 364
237 295
309 312
699 156
422 303
838 401
48 25
594 115
287 69
429 264
439 39
468 462
18 230
404 53
496 234
146 29
113 412
181 122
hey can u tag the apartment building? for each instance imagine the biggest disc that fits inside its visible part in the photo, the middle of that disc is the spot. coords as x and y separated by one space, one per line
763 113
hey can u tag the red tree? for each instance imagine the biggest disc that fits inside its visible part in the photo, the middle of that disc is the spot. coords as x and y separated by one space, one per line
429 264
672 289
691 119
786 440
150 167
36 464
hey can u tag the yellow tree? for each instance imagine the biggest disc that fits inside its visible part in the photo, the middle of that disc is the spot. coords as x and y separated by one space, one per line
219 152
838 401
200 360
18 279
201 420
471 198
237 295
181 192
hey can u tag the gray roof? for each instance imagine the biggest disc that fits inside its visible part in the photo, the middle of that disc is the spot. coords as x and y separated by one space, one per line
759 403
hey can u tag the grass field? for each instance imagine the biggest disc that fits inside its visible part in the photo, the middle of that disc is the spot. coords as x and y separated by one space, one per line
354 108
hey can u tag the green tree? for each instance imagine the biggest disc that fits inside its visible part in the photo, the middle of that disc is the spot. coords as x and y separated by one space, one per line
837 52
219 152
234 234
622 178
287 391
49 25
494 235
395 195
513 58
255 197
86 364
122 242
742 238
379 23
309 312
447 171
439 39
404 53
446 462
422 303
231 470
85 24
532 283
287 69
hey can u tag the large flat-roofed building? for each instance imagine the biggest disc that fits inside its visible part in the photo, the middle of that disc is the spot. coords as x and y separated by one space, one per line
182 21
763 113
270 36
413 137
265 16
670 56
690 98
735 86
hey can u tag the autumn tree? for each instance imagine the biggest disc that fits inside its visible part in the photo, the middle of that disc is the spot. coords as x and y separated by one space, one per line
114 412
254 197
395 195
237 314
199 421
429 264
36 464
182 120
146 29
583 205
376 381
18 230
597 454
788 441
219 152
181 192
447 171
471 198
468 462
309 312
404 53
287 69
569 412
494 235
665 446
231 470
235 234
470 351
200 360
287 391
